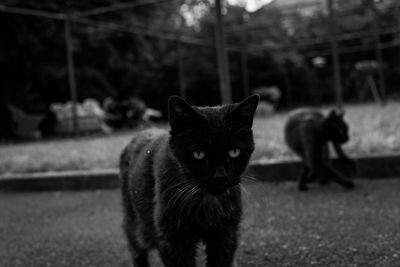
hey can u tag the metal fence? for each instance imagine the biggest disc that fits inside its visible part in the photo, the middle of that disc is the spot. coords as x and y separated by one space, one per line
332 45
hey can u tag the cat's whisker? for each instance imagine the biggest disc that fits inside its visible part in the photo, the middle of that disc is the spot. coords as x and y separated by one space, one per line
249 178
237 187
178 194
184 192
251 199
188 198
254 180
166 190
244 190
174 186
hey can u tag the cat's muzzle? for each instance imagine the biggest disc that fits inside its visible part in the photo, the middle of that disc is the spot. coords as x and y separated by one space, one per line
218 185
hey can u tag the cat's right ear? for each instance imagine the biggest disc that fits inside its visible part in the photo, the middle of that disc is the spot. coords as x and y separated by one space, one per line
332 114
179 111
336 113
243 113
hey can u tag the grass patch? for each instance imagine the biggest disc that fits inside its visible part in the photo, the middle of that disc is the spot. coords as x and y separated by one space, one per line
373 129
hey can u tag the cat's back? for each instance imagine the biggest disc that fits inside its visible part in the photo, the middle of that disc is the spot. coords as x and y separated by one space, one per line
137 155
137 181
301 126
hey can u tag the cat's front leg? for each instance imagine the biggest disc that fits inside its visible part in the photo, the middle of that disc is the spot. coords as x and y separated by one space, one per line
333 175
221 247
302 179
178 252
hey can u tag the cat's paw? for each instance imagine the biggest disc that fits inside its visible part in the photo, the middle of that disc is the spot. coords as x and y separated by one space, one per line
350 186
349 167
302 188
323 181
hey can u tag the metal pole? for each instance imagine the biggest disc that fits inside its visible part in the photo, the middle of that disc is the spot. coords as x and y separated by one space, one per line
181 72
223 63
71 73
335 55
397 32
245 73
117 7
378 53
244 67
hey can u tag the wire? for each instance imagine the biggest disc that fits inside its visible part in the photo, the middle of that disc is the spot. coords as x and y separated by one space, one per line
116 7
347 50
32 12
342 37
155 33
299 19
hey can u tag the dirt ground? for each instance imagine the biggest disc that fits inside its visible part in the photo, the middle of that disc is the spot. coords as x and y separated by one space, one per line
326 226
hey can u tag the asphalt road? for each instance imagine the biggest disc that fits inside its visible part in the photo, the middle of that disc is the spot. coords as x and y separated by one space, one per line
281 227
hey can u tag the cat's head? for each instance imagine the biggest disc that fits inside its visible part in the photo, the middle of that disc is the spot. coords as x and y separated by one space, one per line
212 144
335 127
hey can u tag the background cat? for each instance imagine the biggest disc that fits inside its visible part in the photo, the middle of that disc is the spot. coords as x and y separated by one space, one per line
307 133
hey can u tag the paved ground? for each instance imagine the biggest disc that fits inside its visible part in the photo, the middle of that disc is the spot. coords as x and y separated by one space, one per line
282 227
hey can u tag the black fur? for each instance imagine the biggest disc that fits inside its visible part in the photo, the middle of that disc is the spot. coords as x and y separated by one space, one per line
307 133
172 200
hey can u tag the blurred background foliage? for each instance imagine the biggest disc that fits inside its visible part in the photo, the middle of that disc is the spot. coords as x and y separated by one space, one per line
279 49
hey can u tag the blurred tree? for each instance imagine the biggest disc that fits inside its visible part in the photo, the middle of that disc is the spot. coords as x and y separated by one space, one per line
108 62
112 61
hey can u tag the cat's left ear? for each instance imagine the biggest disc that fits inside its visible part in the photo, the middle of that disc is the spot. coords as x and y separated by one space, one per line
179 111
336 113
243 113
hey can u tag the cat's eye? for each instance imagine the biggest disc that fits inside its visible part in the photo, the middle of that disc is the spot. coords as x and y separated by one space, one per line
199 154
233 153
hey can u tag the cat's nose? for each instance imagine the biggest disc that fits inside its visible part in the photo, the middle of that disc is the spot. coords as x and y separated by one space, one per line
220 171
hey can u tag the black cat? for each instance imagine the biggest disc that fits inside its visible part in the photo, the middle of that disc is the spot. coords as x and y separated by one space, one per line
307 133
182 187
